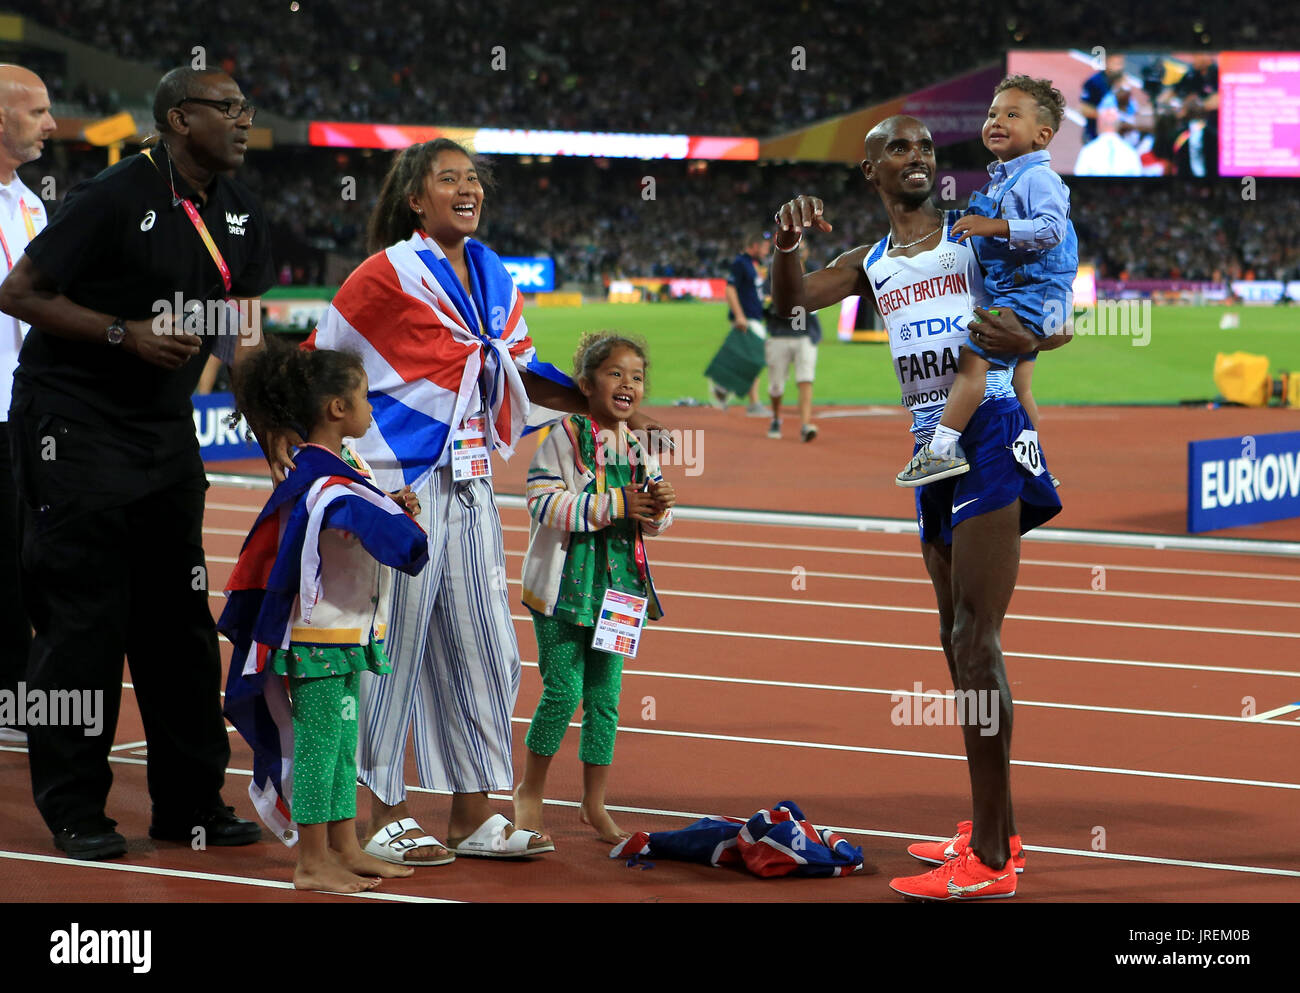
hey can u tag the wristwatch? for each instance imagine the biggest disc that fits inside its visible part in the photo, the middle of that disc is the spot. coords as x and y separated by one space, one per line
116 331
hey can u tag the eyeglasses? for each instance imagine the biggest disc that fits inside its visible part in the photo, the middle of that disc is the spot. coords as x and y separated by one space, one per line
231 109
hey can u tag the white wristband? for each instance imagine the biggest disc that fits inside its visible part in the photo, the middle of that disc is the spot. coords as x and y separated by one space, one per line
797 243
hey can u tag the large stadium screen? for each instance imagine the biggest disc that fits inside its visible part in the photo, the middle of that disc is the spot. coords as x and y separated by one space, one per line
1198 114
1260 114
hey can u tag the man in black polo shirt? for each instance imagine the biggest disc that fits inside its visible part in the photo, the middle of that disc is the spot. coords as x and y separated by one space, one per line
108 468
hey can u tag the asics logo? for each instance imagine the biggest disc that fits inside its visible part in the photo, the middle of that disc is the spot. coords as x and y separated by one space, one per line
955 890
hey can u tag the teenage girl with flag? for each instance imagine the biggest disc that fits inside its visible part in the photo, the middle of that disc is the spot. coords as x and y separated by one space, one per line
439 325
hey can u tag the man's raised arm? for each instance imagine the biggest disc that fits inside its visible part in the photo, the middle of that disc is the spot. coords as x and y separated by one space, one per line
791 288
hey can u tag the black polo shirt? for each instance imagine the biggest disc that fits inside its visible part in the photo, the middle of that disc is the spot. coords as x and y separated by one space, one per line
118 246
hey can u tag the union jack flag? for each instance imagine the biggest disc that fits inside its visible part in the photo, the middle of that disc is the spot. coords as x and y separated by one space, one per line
774 842
279 569
428 348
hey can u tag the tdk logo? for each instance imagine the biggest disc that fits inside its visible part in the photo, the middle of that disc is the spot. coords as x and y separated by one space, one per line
535 275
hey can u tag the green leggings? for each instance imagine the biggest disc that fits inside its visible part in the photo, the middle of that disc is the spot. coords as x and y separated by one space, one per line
325 747
572 671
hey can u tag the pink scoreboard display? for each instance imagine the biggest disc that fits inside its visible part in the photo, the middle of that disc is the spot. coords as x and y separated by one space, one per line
1259 113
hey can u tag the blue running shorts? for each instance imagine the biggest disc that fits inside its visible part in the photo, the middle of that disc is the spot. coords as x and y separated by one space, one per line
995 478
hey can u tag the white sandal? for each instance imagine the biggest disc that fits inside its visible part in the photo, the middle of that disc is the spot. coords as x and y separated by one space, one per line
389 845
490 841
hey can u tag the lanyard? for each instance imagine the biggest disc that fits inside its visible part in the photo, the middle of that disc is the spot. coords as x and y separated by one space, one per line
31 232
193 214
638 543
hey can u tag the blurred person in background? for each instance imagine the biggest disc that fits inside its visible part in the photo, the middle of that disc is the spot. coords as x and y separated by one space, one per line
737 365
1095 87
25 126
793 341
1108 154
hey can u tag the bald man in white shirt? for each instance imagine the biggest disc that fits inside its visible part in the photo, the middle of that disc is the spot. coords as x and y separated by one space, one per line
25 126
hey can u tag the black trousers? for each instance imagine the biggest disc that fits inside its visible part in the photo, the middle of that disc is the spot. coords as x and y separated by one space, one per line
15 629
106 582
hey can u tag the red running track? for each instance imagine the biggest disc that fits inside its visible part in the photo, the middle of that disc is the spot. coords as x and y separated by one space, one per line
1136 775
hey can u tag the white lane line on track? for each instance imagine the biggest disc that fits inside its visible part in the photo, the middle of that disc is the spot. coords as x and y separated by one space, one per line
1266 718
911 647
1031 656
908 555
1091 622
1153 860
931 611
896 696
211 877
838 522
909 581
907 753
914 556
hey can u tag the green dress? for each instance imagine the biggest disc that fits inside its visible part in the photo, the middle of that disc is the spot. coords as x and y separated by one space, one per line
572 671
604 559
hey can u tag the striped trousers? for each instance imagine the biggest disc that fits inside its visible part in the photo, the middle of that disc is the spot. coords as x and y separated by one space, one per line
455 659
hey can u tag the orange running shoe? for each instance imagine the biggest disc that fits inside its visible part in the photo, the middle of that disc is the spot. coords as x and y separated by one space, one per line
962 878
939 852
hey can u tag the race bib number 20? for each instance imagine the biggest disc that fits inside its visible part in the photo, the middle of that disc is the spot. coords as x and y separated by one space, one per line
1025 448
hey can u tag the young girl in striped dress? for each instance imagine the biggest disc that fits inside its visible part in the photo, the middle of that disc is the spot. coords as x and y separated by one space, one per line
593 490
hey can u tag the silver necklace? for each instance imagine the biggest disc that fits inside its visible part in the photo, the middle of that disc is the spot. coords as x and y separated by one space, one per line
893 247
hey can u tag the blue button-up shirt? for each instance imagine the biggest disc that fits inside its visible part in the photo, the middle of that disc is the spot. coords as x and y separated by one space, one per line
1037 208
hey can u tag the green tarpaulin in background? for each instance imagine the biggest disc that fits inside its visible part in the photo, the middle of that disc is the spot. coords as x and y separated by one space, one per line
738 362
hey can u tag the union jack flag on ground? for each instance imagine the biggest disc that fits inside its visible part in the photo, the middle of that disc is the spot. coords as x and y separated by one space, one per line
774 842
428 348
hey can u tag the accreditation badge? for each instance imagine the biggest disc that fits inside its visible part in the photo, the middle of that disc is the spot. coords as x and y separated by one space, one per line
618 629
470 456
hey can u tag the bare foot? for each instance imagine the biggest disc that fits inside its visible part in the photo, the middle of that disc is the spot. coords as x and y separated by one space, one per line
528 810
330 877
367 865
606 829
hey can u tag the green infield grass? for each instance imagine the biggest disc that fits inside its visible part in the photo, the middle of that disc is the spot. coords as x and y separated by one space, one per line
1175 364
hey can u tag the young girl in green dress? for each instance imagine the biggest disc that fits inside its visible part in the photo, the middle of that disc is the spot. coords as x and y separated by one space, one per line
339 634
593 490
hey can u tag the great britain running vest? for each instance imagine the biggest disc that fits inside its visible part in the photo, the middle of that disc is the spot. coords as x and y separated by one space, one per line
927 302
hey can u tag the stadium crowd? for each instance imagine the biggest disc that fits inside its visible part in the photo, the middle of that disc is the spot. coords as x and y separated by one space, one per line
669 66
596 219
